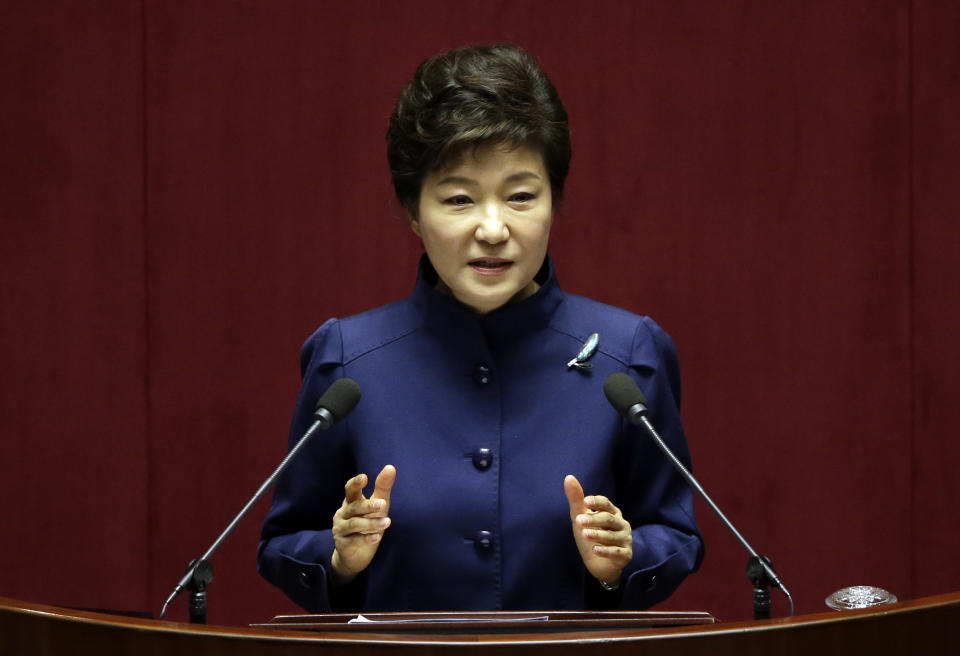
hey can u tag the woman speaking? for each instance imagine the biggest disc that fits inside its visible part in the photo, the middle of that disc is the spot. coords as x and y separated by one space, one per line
501 477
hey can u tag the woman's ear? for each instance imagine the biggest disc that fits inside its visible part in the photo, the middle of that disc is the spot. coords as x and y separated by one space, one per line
414 222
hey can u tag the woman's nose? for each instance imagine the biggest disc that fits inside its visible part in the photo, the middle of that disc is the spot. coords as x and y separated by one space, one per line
492 228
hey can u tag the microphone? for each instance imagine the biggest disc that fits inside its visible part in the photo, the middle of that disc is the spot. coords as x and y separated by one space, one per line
337 402
334 405
625 396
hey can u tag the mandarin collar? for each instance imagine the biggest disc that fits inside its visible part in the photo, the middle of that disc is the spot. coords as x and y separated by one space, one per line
447 316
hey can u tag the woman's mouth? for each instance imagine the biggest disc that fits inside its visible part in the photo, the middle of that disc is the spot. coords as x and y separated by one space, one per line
493 266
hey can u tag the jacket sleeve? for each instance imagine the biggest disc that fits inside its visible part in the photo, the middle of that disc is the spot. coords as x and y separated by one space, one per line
296 539
658 503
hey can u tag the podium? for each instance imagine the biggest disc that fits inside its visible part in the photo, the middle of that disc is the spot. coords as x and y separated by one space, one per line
500 622
923 626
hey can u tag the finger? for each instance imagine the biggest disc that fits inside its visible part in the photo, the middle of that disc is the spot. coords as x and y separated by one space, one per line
574 492
364 507
610 538
353 490
384 484
368 526
360 526
600 503
600 520
623 554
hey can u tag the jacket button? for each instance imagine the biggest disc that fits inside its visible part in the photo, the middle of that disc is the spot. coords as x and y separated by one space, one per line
306 580
482 374
484 540
482 459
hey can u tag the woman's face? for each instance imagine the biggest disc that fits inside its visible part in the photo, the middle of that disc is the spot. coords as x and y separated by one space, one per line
485 222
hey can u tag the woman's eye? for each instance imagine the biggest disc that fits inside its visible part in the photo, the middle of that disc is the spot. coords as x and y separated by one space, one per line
522 197
459 201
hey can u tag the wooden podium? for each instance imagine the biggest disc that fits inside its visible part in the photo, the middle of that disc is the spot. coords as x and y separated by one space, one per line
924 626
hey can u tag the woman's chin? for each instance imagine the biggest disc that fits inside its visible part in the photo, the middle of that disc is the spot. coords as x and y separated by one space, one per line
484 306
485 303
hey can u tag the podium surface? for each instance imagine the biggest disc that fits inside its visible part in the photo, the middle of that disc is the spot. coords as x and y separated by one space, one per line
923 626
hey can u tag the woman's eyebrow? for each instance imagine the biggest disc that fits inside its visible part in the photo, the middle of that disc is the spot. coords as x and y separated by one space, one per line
513 177
457 179
521 175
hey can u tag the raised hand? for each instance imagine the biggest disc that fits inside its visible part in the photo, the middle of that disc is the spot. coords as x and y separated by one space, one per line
603 536
359 524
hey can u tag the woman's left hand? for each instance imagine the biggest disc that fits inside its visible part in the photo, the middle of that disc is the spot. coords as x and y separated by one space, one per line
603 536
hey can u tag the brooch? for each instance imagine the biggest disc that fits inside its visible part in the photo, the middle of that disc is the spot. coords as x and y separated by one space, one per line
589 348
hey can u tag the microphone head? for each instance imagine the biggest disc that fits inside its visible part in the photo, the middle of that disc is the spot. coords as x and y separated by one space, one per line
340 398
622 392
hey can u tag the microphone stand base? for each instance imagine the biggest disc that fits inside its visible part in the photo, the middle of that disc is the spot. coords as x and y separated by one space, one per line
761 586
201 574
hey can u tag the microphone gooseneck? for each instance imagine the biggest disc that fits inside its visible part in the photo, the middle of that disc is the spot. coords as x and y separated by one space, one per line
626 398
334 405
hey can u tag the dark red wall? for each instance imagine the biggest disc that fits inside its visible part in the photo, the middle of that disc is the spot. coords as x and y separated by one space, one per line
188 189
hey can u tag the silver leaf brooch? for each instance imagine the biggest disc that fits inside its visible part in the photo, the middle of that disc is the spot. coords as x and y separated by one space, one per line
586 352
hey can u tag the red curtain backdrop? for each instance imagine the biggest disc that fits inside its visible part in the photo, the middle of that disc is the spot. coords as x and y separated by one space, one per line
187 189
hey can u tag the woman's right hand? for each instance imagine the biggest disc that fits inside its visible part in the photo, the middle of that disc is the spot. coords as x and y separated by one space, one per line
359 524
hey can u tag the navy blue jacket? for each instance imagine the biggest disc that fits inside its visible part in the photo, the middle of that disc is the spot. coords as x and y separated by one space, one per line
483 419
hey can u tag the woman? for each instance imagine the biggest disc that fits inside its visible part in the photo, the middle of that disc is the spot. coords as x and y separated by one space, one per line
481 425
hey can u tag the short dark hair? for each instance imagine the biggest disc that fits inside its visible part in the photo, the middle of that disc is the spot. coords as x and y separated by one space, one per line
468 97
